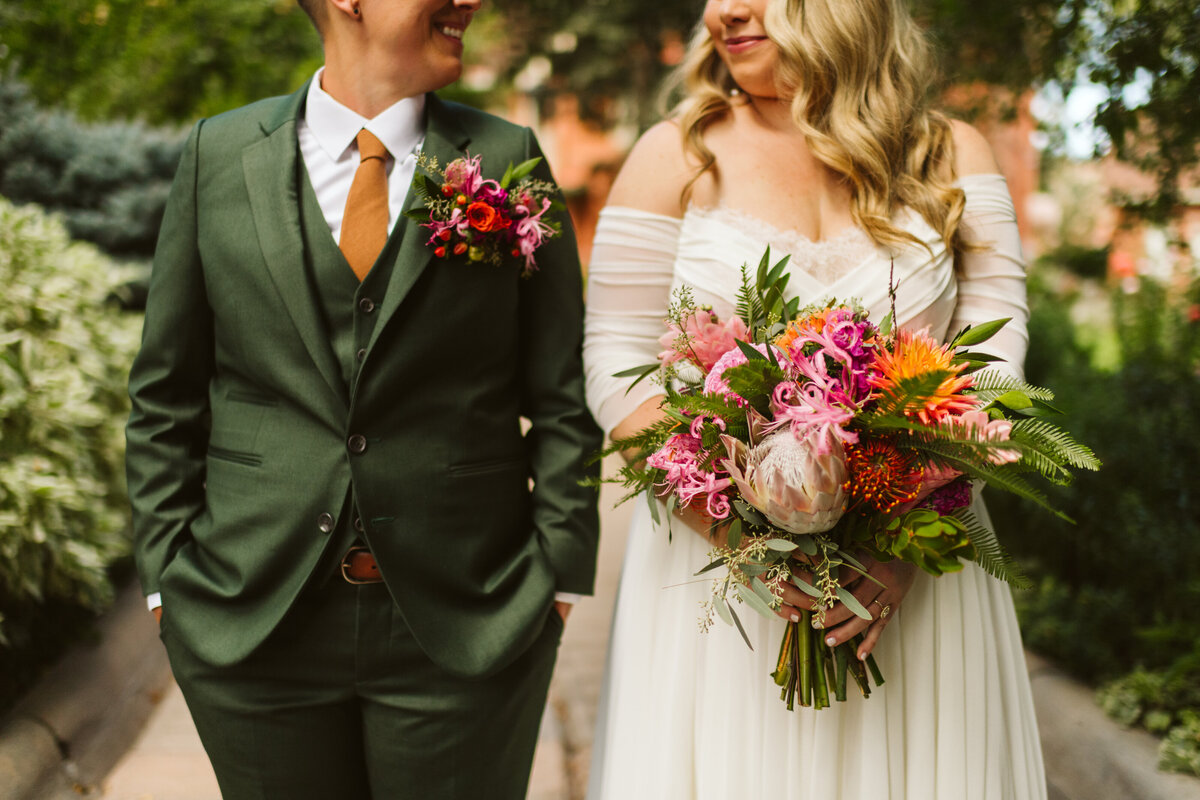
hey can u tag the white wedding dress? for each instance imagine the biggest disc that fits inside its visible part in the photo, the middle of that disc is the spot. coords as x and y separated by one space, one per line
687 715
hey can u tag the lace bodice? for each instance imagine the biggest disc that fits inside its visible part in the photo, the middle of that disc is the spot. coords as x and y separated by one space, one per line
639 258
825 260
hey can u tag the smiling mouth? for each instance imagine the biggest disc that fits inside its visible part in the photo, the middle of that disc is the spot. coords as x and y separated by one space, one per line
744 41
452 31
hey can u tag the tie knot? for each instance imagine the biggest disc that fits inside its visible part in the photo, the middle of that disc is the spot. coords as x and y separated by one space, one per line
369 146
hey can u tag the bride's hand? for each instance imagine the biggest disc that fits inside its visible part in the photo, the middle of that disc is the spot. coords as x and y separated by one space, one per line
841 624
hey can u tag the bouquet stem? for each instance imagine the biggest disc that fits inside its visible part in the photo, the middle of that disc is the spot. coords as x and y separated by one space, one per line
811 669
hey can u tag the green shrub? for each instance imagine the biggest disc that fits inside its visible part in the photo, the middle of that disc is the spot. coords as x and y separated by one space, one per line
1164 702
1119 588
64 358
108 181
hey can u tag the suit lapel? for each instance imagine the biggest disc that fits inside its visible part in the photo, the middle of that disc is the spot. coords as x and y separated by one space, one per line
445 140
271 168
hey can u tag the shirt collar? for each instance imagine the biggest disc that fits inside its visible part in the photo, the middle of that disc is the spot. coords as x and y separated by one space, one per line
401 126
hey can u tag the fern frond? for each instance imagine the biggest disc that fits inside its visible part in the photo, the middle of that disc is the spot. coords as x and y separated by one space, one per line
989 553
991 383
1005 477
1055 443
910 393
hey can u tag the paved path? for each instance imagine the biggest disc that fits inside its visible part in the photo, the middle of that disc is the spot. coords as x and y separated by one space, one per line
168 763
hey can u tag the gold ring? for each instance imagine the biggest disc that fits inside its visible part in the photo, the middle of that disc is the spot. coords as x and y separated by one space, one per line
884 608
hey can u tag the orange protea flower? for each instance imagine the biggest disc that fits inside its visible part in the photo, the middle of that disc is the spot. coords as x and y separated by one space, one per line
883 475
917 353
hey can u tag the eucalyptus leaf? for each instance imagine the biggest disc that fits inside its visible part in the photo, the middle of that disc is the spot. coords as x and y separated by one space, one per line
851 602
782 545
754 601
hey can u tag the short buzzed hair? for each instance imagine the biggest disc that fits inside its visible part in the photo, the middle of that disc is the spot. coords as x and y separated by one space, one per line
316 12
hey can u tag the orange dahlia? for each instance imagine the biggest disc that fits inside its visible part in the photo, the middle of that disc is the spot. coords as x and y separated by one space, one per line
882 474
915 354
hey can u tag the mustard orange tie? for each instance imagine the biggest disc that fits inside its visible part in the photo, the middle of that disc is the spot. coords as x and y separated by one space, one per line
364 225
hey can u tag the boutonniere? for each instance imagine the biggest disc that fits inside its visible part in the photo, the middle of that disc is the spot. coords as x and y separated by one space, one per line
486 220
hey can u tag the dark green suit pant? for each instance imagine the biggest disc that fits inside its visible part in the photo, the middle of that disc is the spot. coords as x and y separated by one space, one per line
340 703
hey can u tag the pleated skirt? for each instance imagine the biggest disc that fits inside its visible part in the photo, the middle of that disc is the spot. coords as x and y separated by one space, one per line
692 715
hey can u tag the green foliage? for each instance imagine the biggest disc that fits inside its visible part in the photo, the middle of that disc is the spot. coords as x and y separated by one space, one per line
64 356
1164 702
108 181
1119 589
158 61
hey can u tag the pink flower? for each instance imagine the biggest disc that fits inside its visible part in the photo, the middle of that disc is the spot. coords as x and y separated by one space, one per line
679 458
530 231
703 339
817 403
794 484
465 175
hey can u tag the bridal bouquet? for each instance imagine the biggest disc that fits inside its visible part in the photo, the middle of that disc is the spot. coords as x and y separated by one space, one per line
483 219
809 436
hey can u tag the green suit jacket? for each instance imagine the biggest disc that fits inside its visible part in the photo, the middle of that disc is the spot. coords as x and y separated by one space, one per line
243 438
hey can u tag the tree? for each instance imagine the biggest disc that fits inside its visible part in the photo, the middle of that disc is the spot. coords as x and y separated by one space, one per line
157 60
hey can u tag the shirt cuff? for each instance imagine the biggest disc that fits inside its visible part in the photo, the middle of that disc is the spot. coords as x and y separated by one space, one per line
567 597
154 601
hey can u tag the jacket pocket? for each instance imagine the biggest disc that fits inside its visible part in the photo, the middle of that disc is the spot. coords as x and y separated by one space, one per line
490 465
235 456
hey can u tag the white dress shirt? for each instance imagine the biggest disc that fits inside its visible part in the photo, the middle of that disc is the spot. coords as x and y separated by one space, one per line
326 132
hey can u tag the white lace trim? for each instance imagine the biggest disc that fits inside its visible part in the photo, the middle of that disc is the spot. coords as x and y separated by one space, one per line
826 260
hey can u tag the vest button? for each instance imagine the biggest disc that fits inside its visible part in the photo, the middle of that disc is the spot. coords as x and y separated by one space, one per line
358 524
325 522
357 444
366 305
361 354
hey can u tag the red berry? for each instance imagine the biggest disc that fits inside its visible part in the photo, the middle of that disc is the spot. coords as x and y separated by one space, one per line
440 252
445 235
460 248
516 252
447 189
461 199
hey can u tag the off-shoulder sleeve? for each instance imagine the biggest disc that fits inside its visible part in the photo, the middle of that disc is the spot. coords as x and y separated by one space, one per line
992 279
629 289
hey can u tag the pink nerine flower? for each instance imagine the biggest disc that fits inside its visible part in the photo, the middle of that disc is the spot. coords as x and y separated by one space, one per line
818 403
982 428
703 339
680 457
530 231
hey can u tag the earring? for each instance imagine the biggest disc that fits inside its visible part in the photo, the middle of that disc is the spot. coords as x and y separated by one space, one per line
356 11
735 92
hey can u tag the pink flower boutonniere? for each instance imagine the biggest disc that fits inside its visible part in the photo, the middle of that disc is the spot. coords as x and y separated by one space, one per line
485 220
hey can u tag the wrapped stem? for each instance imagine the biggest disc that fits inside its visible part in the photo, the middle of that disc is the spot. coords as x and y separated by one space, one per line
802 655
843 666
820 653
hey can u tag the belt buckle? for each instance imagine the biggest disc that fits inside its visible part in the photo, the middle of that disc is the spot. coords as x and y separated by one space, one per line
358 548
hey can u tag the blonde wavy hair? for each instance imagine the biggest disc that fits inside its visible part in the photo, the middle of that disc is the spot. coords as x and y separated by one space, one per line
858 73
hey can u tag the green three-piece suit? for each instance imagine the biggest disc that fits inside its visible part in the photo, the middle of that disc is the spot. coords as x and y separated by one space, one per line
283 411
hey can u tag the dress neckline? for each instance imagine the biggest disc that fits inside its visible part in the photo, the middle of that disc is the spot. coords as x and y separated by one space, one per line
827 261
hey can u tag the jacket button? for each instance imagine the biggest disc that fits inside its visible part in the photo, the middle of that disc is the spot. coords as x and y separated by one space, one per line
358 524
325 523
357 444
366 305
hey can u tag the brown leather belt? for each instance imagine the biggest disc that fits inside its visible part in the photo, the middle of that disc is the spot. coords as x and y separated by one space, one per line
359 567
